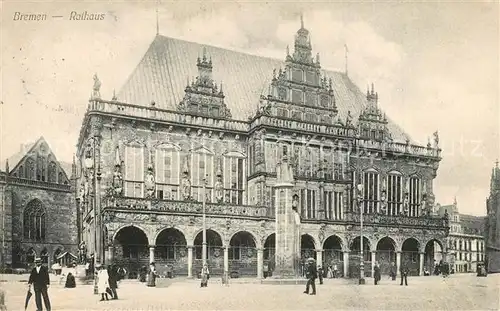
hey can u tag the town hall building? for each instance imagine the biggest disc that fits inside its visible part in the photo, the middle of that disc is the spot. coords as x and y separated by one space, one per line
199 124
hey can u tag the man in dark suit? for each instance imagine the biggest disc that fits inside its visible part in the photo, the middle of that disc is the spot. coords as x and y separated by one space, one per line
39 277
311 275
404 274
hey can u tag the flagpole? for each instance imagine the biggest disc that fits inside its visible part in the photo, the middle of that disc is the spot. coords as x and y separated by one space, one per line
346 52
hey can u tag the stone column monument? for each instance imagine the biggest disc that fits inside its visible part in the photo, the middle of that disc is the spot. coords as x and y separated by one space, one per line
287 249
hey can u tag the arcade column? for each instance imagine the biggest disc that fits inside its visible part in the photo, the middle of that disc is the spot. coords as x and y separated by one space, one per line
190 261
226 260
111 254
319 257
374 259
151 253
398 262
260 263
346 264
421 264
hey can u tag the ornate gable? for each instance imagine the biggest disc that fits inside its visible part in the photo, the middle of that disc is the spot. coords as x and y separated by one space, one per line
299 91
202 96
372 123
39 163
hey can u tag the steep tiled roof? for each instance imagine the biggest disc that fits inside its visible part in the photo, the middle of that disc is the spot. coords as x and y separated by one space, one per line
18 156
162 74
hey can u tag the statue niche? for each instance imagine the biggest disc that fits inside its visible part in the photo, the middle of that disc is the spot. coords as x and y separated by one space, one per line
219 187
149 181
186 182
117 185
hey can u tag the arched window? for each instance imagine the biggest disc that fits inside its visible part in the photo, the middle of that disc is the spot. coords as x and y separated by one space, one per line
30 169
51 176
371 191
21 171
60 178
44 256
34 221
414 196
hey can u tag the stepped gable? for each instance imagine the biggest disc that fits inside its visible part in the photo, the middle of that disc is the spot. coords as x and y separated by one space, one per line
162 73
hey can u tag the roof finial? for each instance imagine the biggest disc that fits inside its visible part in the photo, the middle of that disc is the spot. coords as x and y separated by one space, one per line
157 19
114 95
373 89
7 166
301 20
346 52
204 54
496 163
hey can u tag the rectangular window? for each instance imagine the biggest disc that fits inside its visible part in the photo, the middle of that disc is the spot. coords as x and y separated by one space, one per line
134 171
297 96
310 77
234 179
371 188
311 204
414 196
310 99
297 75
271 153
394 194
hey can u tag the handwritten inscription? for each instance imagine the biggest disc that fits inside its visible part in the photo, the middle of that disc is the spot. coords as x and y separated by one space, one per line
18 16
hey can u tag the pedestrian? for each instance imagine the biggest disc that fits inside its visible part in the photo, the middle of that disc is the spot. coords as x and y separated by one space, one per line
404 274
102 282
335 270
376 274
311 274
39 277
70 281
392 271
329 273
152 274
320 275
205 276
113 280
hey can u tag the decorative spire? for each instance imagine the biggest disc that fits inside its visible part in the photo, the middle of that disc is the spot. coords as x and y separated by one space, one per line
7 170
301 21
114 95
157 19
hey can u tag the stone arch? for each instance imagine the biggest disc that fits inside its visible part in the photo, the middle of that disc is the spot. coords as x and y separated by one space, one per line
385 253
307 246
433 251
130 225
57 252
410 249
199 233
242 254
269 246
337 238
171 229
215 258
354 244
254 236
171 250
333 254
34 221
131 245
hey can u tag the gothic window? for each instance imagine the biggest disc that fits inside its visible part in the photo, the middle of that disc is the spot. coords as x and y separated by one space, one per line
414 196
30 169
60 178
271 154
234 176
167 158
328 163
44 256
52 172
21 171
202 167
297 96
282 93
297 75
394 193
34 221
134 171
371 191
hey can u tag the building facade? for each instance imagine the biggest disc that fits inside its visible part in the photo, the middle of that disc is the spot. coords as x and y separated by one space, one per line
38 207
492 227
175 137
466 239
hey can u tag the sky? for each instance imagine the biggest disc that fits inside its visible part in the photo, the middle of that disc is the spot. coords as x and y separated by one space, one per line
435 66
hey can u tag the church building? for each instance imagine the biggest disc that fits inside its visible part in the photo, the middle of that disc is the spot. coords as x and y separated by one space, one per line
201 127
492 228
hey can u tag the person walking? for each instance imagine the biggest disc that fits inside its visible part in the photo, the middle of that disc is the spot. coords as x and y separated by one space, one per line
102 282
311 275
404 274
320 275
335 270
113 280
205 276
376 274
40 280
152 274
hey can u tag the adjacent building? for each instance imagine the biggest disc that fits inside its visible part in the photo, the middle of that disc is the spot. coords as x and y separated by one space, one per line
492 227
466 239
38 207
197 127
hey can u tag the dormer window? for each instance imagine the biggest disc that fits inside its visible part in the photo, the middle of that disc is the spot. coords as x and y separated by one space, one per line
310 77
297 96
297 75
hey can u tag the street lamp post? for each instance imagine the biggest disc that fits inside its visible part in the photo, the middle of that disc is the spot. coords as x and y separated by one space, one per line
359 198
204 233
90 165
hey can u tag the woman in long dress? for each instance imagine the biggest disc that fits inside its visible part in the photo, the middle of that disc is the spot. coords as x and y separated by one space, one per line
103 283
151 282
205 276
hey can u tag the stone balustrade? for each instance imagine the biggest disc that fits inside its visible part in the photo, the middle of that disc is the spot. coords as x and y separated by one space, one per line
187 207
303 126
165 115
400 148
38 183
400 220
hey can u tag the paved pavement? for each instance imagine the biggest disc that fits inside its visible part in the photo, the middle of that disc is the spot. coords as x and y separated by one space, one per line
458 292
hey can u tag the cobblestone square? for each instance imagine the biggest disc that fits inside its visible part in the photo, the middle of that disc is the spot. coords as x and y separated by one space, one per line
458 292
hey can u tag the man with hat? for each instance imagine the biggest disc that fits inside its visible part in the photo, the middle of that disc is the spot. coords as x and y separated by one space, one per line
311 276
39 277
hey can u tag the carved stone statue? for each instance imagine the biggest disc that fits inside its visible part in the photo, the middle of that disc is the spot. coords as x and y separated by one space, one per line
149 182
219 191
383 202
406 206
97 86
185 182
436 139
82 192
348 121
